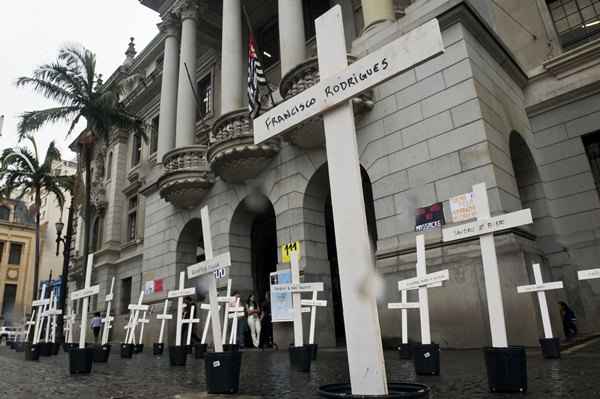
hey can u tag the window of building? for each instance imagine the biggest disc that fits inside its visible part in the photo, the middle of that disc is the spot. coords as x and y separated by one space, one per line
267 44
14 255
154 134
8 302
96 243
576 21
4 213
125 295
137 150
109 162
205 94
132 218
592 148
1 251
312 10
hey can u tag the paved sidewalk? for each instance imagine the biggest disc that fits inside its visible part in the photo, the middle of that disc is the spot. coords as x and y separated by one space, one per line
267 375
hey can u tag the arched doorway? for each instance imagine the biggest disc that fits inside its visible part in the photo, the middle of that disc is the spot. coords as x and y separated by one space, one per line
319 200
190 249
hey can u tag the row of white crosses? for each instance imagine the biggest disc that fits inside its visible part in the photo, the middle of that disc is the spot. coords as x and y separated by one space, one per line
85 293
331 98
50 315
135 320
39 307
422 282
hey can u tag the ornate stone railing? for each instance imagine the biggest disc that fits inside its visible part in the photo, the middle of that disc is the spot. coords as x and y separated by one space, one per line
232 154
187 177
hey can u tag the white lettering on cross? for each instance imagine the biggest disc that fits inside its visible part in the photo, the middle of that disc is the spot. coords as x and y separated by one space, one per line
590 274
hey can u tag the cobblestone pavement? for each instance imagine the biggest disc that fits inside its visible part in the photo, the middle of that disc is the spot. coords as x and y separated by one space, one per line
267 375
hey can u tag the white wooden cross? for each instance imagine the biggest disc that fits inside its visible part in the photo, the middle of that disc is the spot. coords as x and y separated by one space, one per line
540 287
47 317
51 315
404 305
134 318
422 283
589 274
313 304
235 312
180 294
226 299
208 267
143 321
86 292
163 317
107 320
331 97
30 323
190 322
39 305
484 227
206 306
70 320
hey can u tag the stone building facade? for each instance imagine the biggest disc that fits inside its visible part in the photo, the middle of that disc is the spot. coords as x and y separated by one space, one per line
513 102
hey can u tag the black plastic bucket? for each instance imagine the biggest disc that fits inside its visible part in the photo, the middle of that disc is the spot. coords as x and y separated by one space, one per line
138 348
158 349
313 350
32 352
177 355
101 353
200 351
45 349
126 351
506 369
189 349
68 346
19 346
231 347
81 360
405 351
300 358
427 359
223 372
550 347
55 348
395 391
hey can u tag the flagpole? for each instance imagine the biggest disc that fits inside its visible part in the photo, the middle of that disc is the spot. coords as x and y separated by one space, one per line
258 53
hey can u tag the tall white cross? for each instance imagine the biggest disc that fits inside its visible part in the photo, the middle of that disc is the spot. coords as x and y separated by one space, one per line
51 315
226 300
190 322
540 287
180 294
590 274
404 305
422 283
313 304
86 292
48 317
70 320
30 323
331 97
235 312
208 267
107 320
163 317
484 227
39 305
134 317
143 321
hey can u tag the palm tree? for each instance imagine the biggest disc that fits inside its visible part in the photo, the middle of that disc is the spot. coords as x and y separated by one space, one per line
73 83
23 173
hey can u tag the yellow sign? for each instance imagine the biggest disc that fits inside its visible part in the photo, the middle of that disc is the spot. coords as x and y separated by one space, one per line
287 249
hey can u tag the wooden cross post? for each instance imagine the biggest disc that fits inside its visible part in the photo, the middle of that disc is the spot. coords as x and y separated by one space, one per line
313 304
225 317
404 305
540 287
484 228
107 320
143 321
190 322
30 323
85 293
52 314
235 312
339 83
39 306
180 294
422 283
211 265
48 317
128 327
134 317
590 274
70 320
163 317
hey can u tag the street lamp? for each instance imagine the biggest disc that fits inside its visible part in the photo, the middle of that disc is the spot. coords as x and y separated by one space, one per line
59 228
66 240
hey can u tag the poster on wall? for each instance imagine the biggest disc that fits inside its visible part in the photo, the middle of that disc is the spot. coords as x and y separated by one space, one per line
281 302
153 286
462 207
429 217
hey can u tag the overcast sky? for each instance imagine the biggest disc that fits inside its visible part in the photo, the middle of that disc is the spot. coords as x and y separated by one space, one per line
32 31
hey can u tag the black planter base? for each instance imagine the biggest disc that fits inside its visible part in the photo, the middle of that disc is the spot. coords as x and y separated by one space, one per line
32 352
68 346
158 349
550 347
138 348
55 348
300 358
506 369
427 359
177 355
314 348
231 347
200 351
223 372
405 351
45 349
101 353
19 346
189 349
126 351
81 360
395 391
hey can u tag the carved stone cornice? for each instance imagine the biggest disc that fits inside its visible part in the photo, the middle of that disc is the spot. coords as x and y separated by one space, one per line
169 25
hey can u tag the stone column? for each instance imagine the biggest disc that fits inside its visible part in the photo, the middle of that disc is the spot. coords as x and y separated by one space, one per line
292 40
168 90
186 102
232 58
376 11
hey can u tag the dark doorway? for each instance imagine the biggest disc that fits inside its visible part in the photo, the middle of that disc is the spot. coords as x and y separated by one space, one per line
8 303
336 292
264 250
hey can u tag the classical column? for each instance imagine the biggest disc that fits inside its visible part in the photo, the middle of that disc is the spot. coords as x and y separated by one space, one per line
376 11
168 90
232 58
292 41
186 102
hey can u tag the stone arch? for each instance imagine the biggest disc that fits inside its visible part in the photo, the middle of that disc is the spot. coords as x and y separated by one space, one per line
190 247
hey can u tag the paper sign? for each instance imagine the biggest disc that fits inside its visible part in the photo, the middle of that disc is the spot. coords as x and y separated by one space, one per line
429 217
149 288
462 207
158 285
281 302
287 249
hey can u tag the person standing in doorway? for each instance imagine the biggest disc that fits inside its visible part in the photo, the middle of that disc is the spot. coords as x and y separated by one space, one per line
569 320
96 325
253 317
266 339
